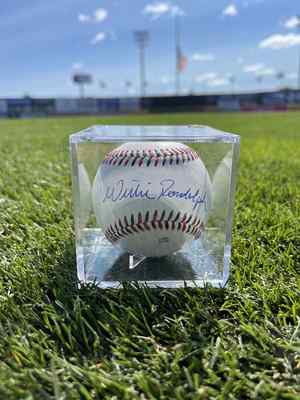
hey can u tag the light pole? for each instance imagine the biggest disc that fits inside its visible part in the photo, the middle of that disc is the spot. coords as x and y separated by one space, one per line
128 85
280 76
259 79
81 90
142 39
81 80
102 85
232 80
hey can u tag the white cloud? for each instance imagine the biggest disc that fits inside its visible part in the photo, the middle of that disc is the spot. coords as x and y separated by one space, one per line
177 11
156 10
248 3
165 80
259 69
218 82
77 65
291 22
254 67
206 77
203 57
292 75
266 72
84 18
132 91
230 11
240 60
99 38
185 90
100 14
279 41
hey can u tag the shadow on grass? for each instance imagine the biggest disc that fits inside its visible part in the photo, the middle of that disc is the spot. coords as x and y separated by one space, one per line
99 321
65 286
168 268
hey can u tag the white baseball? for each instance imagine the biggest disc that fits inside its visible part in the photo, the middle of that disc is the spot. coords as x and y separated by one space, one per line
150 198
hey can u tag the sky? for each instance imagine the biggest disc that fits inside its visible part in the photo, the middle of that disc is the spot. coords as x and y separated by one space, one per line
240 45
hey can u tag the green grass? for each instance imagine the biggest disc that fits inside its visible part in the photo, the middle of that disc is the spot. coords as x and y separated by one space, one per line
59 342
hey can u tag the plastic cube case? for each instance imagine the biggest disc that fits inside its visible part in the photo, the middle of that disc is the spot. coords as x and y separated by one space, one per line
153 204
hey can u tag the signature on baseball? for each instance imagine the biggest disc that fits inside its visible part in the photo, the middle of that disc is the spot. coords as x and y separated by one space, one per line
138 189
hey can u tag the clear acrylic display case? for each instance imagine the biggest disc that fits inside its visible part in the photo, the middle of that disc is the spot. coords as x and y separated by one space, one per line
102 256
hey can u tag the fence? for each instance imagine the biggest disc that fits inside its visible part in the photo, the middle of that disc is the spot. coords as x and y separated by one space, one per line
268 101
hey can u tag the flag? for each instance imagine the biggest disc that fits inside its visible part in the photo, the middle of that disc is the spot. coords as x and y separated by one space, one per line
181 60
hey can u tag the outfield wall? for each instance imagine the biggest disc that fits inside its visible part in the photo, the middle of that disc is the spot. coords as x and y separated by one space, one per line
265 101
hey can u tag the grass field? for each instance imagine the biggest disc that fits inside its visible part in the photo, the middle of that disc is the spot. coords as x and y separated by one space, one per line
60 342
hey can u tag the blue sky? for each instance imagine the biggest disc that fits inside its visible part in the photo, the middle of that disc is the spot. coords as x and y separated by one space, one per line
44 42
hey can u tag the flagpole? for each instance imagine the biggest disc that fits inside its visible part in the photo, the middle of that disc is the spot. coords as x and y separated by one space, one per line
299 54
177 55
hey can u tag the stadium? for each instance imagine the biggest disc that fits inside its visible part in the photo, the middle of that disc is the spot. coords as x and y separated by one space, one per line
283 100
149 66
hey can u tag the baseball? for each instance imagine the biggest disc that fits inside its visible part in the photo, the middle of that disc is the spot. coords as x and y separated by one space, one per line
150 198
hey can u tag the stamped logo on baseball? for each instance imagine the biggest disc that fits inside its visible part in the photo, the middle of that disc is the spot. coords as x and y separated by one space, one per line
150 198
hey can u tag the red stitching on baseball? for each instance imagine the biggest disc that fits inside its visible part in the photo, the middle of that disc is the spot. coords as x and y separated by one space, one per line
150 157
141 223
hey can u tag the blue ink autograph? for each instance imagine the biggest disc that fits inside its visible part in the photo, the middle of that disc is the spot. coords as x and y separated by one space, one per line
139 190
